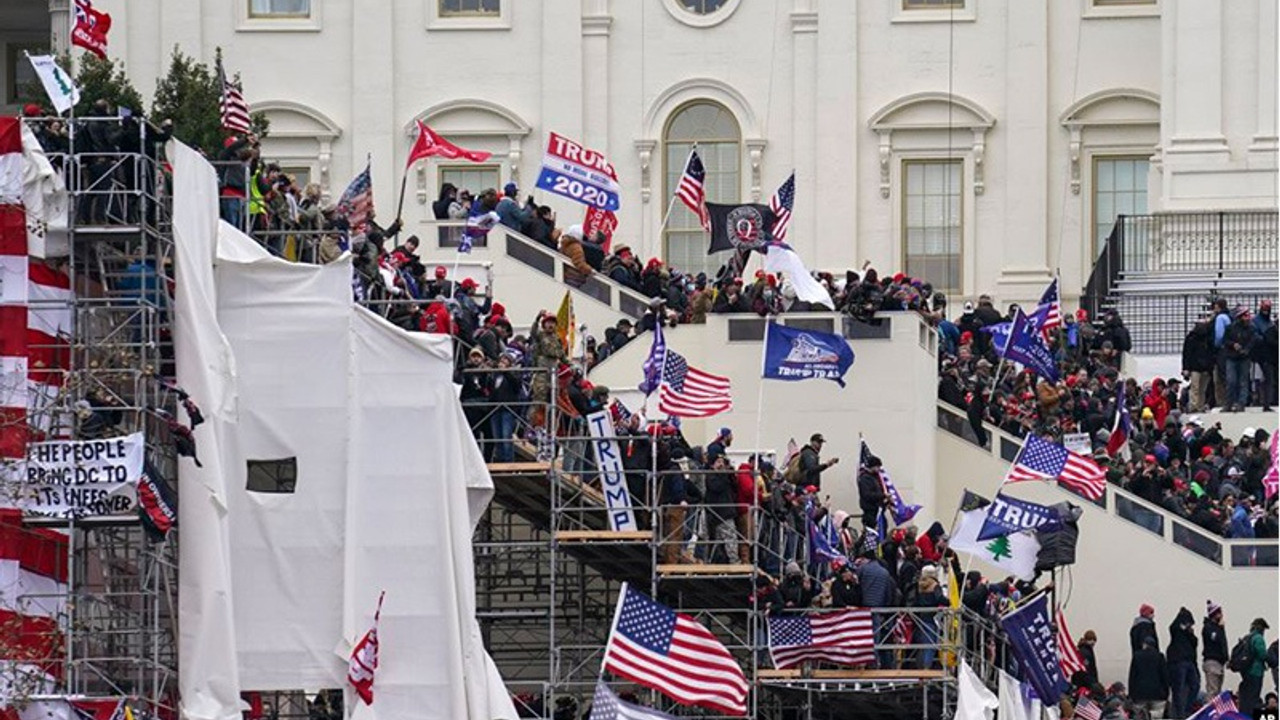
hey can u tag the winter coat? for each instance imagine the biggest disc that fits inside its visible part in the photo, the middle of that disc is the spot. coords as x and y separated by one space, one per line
1142 628
572 247
870 492
1090 661
795 594
928 595
1214 637
1238 341
877 585
846 594
1148 676
1197 348
699 306
1182 638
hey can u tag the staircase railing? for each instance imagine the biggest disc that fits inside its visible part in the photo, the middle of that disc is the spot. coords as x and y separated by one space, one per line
1204 243
1226 553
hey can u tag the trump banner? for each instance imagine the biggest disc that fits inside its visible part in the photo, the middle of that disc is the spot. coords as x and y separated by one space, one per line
613 479
1030 631
578 173
794 354
1026 347
1007 515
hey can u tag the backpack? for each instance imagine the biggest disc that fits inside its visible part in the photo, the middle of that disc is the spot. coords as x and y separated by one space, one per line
792 473
1241 655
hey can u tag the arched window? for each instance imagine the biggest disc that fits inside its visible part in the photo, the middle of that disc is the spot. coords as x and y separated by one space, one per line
719 142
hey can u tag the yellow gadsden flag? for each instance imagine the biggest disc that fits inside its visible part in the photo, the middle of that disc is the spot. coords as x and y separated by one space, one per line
951 636
566 325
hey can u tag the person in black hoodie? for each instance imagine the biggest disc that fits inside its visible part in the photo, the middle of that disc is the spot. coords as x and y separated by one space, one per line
440 208
1213 634
871 495
845 591
1184 681
1144 626
1149 678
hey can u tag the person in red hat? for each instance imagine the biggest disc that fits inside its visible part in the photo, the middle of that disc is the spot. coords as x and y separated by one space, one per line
1144 626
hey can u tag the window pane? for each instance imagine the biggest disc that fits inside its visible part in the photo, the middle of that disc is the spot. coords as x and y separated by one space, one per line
931 215
703 7
280 8
1124 174
473 178
719 146
469 7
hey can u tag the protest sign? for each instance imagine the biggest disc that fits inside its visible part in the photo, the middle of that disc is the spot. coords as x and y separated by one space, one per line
78 478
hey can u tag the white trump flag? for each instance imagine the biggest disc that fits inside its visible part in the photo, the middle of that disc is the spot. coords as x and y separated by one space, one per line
61 89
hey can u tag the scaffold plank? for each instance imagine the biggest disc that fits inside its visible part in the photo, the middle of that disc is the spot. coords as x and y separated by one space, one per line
518 468
850 674
706 569
604 535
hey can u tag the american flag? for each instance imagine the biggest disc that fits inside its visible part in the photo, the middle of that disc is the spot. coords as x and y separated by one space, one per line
672 653
845 637
357 201
235 111
1118 442
1044 460
692 189
1050 308
686 391
1220 707
1069 657
608 706
1087 709
781 204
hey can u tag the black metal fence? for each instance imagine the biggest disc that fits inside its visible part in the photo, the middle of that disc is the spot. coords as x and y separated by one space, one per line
1216 243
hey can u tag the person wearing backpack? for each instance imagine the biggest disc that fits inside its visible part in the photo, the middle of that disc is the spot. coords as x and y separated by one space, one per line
1249 658
1214 653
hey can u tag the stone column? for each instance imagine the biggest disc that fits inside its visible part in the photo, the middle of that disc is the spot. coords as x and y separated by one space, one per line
596 24
802 234
1024 259
1192 79
1263 147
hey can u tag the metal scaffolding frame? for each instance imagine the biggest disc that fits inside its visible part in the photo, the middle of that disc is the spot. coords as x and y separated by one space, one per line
548 570
119 625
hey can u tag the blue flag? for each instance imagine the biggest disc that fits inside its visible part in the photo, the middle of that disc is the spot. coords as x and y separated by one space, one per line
1007 515
794 354
902 512
1030 632
820 547
1026 346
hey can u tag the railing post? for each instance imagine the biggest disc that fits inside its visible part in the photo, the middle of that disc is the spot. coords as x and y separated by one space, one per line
1222 221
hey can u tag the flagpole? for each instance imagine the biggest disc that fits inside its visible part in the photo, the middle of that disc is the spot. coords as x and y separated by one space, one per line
672 203
764 359
403 181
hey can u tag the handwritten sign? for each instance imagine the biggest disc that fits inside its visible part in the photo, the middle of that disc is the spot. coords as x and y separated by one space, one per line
78 478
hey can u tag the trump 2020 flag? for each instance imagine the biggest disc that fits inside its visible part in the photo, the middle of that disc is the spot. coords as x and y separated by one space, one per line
1007 515
1026 346
364 659
1030 631
793 354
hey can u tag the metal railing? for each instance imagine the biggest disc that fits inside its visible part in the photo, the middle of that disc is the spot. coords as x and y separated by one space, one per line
1223 552
1216 243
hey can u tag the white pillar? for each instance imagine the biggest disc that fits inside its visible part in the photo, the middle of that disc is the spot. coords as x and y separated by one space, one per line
60 26
596 24
1024 256
374 129
1264 138
803 231
1192 76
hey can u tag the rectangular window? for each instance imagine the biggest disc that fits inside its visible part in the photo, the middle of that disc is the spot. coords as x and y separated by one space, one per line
932 4
268 9
272 476
686 240
1119 188
931 222
476 178
20 80
470 8
301 174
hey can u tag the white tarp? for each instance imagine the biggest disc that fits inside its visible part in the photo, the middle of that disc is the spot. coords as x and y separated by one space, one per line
389 485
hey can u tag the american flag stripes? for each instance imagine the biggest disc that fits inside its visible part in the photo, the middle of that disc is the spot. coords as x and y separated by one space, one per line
364 659
1087 709
683 391
686 391
1220 707
1050 308
357 201
1069 656
231 104
1118 442
691 189
1043 460
781 204
672 653
844 637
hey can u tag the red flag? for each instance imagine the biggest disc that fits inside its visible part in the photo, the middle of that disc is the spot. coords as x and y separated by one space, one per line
429 143
364 659
600 220
90 31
